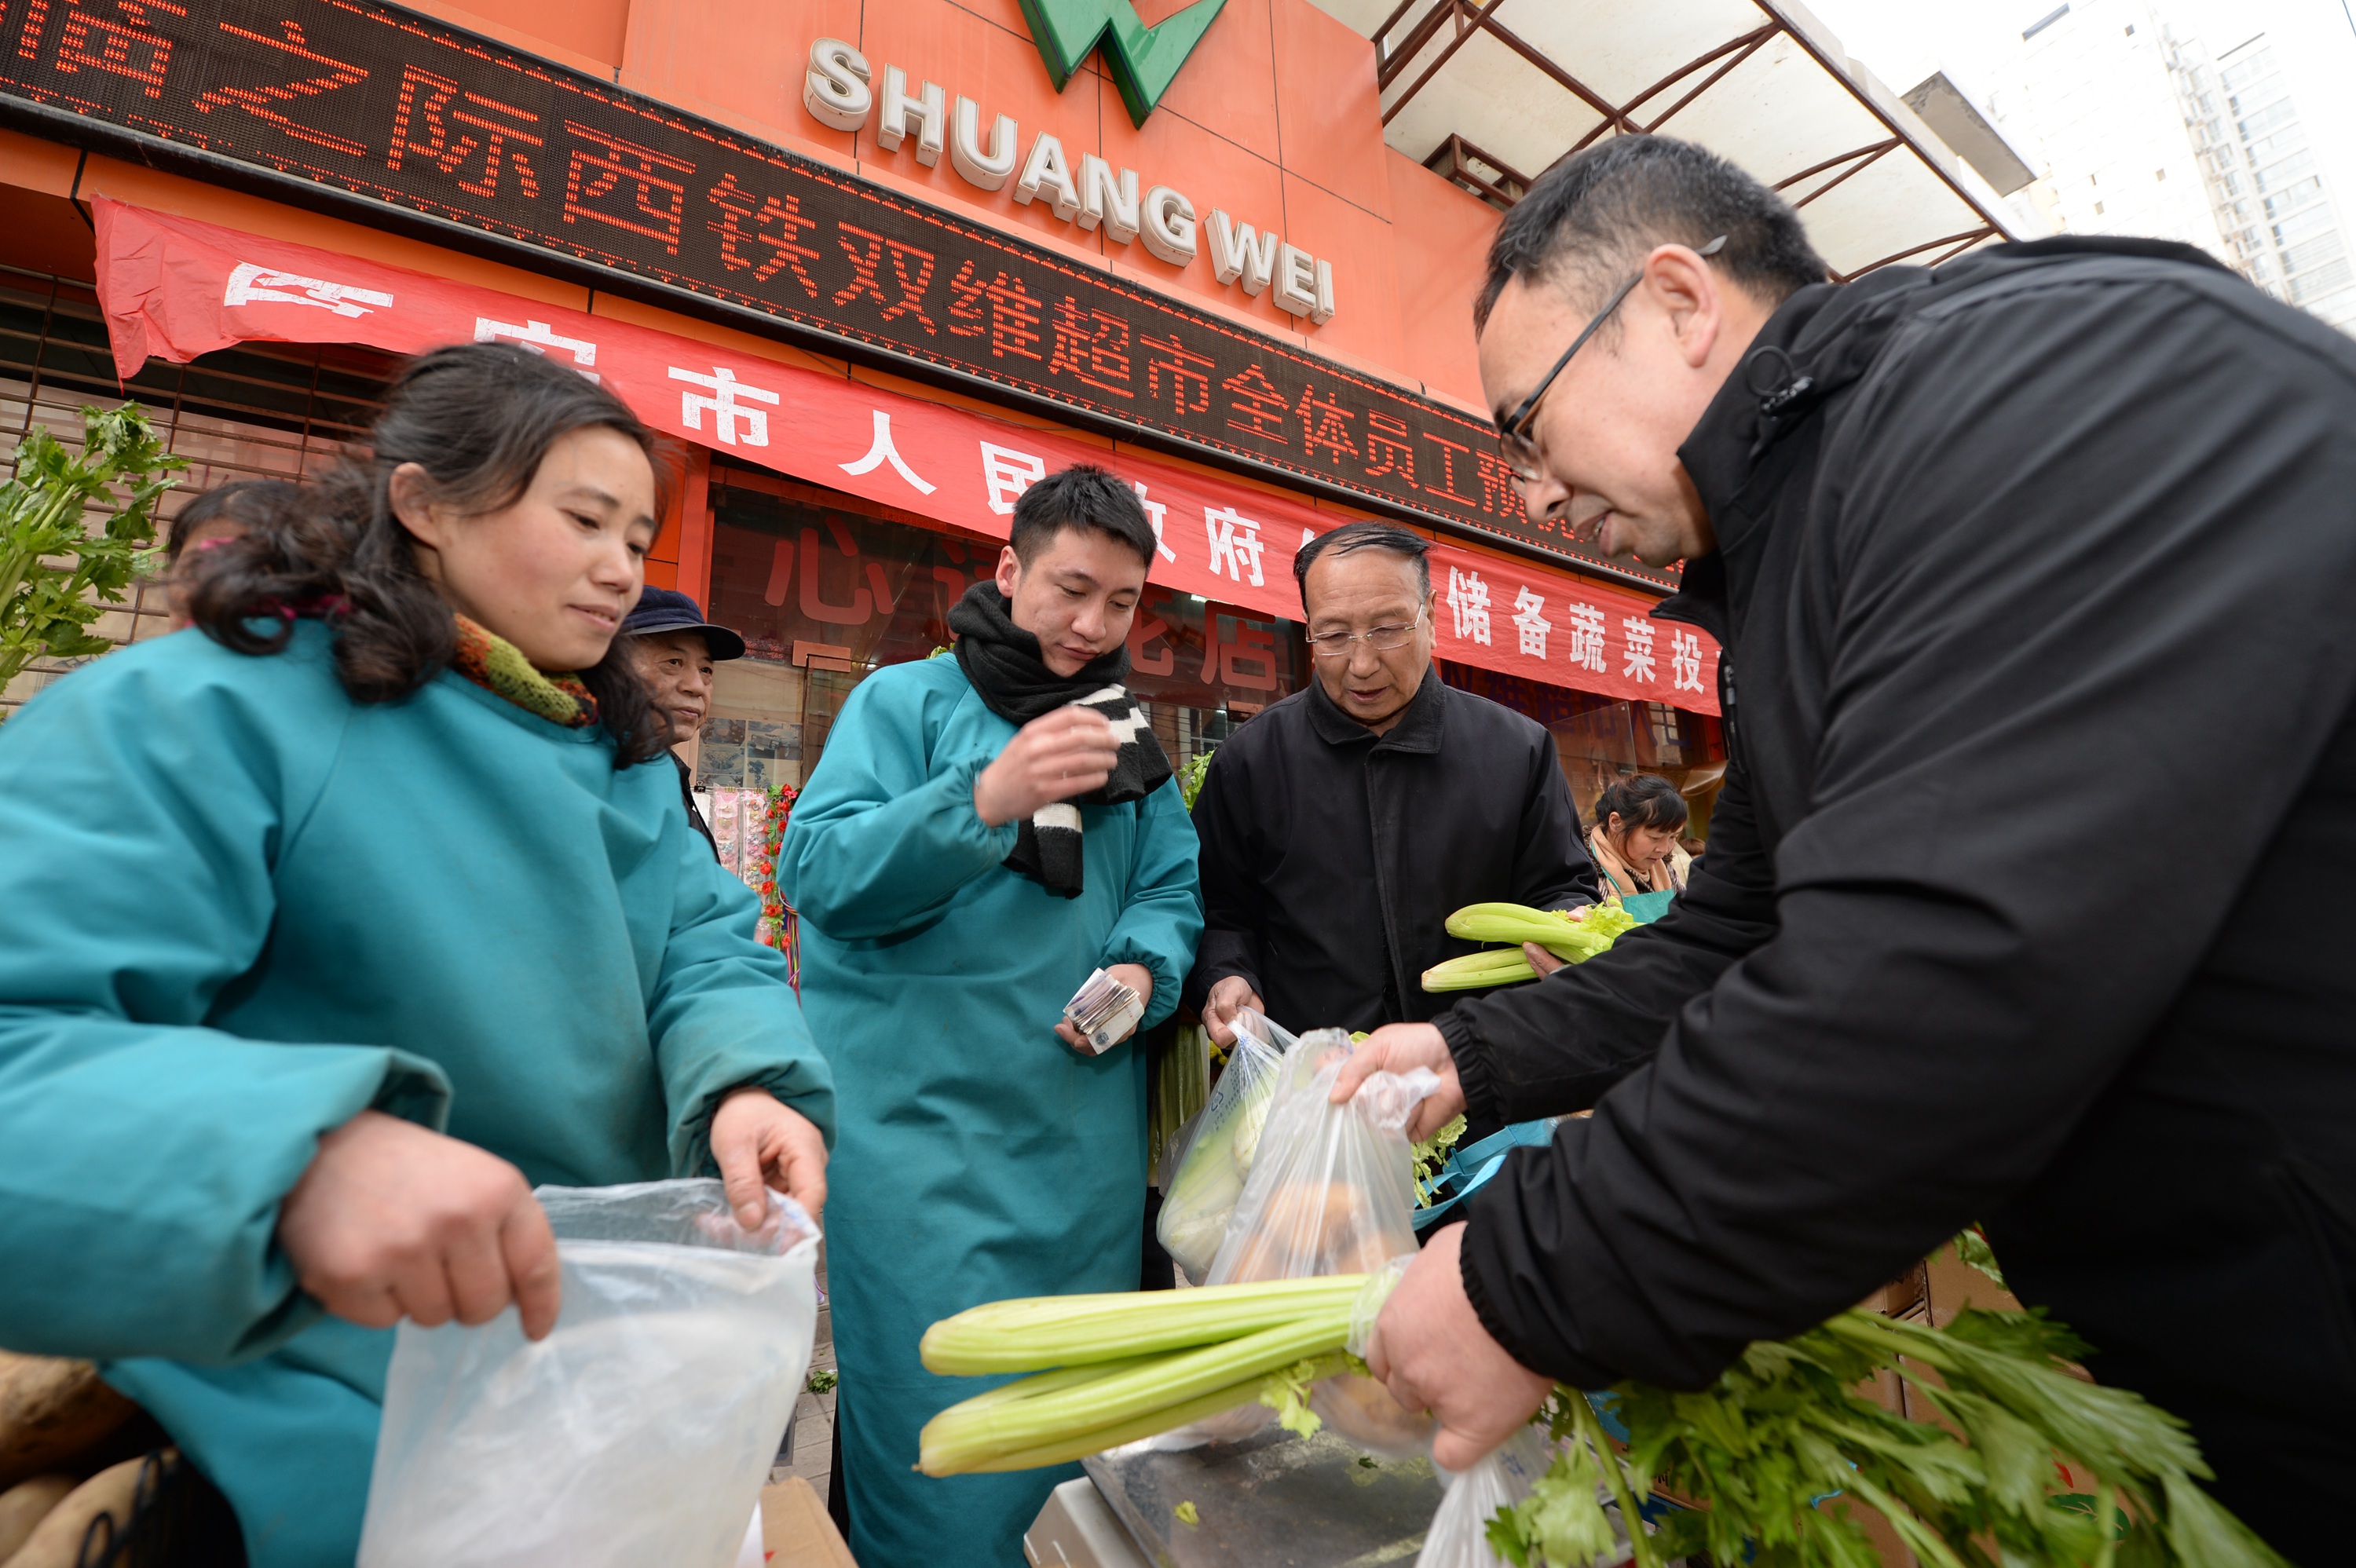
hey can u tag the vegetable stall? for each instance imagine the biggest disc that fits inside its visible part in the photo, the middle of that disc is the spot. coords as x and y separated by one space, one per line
1234 1419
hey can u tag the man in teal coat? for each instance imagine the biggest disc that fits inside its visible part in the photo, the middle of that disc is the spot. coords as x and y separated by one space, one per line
971 848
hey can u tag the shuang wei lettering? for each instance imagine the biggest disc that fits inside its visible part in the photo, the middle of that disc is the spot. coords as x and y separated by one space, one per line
839 92
387 116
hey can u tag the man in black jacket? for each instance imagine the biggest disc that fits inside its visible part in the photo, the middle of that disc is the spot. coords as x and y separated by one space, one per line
2025 900
674 648
1342 827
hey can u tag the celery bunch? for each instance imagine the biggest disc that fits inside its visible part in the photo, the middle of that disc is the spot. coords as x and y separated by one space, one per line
1784 1427
1112 1369
1571 935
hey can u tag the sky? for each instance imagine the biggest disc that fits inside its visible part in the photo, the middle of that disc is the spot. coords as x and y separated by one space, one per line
1903 41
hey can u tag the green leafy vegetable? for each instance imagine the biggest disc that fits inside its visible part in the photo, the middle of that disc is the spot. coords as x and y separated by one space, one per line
1783 1428
1429 1155
1191 776
1185 1513
1286 1392
52 567
821 1382
1972 1246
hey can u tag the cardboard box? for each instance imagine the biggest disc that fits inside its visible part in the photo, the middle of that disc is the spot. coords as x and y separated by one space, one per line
796 1531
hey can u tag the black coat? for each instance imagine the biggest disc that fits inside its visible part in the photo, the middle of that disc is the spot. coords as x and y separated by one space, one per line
2026 898
1332 856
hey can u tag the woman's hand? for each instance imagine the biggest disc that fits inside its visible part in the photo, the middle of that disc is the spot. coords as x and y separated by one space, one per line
392 1220
760 1143
1055 757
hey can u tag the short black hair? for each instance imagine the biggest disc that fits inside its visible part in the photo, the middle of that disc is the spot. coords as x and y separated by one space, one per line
245 502
1364 536
1081 497
1590 219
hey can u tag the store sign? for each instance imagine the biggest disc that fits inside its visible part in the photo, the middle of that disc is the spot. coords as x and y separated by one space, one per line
1090 194
177 287
1141 60
358 104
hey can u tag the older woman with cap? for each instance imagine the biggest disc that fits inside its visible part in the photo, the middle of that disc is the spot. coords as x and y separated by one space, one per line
675 647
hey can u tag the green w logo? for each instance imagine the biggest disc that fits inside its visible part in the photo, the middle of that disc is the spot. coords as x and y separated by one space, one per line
1143 59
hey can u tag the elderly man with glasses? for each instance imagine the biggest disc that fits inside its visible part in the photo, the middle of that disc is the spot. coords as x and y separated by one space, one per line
1342 826
2009 558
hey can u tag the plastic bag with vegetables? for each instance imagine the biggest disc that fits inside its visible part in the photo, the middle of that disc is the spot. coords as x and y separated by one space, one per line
1202 1175
1332 1193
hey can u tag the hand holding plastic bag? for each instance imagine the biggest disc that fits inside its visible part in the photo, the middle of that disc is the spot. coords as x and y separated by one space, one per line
1332 1192
639 1431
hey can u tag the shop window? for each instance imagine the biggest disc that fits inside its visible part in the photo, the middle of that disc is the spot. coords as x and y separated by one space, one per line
1598 740
261 410
827 588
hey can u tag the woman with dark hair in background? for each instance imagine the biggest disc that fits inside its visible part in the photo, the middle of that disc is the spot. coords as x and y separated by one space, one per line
325 937
222 513
1634 839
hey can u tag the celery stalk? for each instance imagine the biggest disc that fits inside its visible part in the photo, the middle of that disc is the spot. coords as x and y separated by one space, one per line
1065 1450
978 1431
1037 1332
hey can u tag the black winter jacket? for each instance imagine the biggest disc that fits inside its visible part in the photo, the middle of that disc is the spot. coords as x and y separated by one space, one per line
1332 855
2026 898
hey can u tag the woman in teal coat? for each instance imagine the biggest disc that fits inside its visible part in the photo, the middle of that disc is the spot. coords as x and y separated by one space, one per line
980 1157
328 930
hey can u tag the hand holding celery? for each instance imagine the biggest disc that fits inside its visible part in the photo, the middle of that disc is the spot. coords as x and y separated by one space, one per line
1573 936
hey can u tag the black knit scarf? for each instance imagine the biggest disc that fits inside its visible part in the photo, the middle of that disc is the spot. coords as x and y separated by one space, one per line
1003 662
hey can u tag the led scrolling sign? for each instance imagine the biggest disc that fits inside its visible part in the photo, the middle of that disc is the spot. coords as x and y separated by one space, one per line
443 131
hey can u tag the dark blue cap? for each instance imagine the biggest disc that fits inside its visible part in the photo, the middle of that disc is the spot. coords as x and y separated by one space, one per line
668 610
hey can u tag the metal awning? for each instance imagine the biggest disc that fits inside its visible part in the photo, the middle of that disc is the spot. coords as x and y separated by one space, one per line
1492 93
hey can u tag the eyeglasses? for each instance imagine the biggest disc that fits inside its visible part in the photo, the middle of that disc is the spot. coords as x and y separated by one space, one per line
1382 639
1514 436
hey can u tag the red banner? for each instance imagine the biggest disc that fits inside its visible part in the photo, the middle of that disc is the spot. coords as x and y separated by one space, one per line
176 288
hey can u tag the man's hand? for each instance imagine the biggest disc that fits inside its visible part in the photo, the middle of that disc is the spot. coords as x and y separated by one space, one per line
1228 997
392 1221
1055 757
1137 978
1399 1048
1429 1348
1544 962
759 1143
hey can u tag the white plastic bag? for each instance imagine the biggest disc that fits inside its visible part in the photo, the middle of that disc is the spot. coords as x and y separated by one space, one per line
1331 1192
1204 1172
1332 1189
1459 1537
639 1431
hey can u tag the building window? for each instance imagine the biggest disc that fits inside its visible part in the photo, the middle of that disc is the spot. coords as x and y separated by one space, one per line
825 591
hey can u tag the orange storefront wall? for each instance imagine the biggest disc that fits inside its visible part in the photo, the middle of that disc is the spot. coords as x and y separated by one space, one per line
1275 117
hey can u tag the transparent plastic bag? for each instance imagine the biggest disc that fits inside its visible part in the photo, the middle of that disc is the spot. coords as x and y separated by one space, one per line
1331 1192
1459 1537
1202 1175
639 1431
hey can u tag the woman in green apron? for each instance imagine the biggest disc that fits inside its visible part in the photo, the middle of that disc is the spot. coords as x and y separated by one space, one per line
1635 843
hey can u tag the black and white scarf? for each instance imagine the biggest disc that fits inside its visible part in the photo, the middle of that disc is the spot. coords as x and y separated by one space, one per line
1003 662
